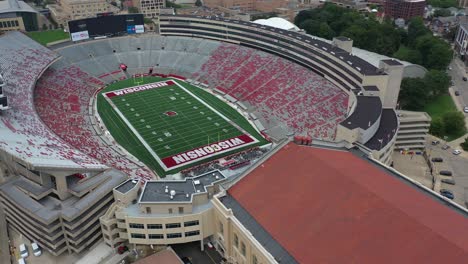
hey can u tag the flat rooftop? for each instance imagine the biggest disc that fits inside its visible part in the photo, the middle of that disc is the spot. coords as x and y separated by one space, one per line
366 113
155 191
333 206
387 129
126 186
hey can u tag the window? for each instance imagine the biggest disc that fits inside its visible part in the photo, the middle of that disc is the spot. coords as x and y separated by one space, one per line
155 236
148 209
181 209
137 235
254 259
174 235
173 225
154 226
236 241
138 226
192 233
221 227
243 249
170 210
191 223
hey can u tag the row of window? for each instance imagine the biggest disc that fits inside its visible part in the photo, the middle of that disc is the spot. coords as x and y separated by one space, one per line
9 24
161 236
160 226
243 249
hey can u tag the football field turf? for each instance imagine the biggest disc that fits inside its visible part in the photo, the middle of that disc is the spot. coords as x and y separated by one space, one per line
171 125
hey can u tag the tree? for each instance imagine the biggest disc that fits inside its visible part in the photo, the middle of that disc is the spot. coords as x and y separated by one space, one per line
454 121
325 31
442 13
133 10
408 54
416 29
437 82
311 26
464 144
198 3
437 127
413 94
44 27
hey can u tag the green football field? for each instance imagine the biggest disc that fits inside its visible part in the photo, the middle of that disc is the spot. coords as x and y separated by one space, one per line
175 126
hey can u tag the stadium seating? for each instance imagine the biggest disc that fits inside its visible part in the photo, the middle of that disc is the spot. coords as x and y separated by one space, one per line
23 134
61 98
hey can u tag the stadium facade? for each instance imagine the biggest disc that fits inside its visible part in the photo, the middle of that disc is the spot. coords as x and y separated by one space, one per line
61 165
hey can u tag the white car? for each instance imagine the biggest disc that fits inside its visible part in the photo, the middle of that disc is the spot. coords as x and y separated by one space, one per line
36 249
465 109
23 251
456 152
21 261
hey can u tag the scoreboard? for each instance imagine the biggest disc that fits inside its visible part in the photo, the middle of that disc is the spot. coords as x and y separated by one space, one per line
106 26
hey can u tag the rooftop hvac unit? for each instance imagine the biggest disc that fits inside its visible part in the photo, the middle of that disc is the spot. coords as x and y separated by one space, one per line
196 182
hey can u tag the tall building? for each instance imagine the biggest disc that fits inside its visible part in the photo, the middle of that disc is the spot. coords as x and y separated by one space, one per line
405 9
413 131
461 40
66 10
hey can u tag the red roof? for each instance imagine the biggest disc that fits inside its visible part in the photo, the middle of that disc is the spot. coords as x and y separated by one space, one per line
329 206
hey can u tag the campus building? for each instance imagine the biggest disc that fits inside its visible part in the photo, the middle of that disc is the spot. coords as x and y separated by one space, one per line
404 9
17 15
413 131
334 202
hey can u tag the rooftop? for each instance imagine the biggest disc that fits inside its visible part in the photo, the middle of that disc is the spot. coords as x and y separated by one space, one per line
10 6
126 186
180 190
333 206
166 256
366 113
388 127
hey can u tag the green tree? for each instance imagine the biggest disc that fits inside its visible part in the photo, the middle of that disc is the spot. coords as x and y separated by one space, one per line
437 127
416 29
44 27
437 82
443 3
325 31
442 13
407 54
413 94
311 26
198 3
464 144
454 121
133 10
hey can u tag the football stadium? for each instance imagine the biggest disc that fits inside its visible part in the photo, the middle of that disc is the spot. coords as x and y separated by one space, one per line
267 145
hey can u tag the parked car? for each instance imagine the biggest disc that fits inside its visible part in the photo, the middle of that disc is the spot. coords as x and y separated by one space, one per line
36 249
465 79
435 142
457 93
465 109
21 261
447 193
186 260
448 181
445 147
437 159
445 173
456 152
23 251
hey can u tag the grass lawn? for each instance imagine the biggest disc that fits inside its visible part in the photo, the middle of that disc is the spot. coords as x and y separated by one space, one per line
45 37
161 123
440 106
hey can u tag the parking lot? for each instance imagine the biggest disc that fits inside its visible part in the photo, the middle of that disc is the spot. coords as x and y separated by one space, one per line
457 164
196 256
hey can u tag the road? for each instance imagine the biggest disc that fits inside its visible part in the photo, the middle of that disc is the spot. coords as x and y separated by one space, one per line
457 72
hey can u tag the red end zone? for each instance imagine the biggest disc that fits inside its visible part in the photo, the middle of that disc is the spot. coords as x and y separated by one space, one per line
139 88
206 151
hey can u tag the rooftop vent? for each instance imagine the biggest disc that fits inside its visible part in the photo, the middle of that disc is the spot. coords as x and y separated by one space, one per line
187 195
173 192
216 177
196 182
134 181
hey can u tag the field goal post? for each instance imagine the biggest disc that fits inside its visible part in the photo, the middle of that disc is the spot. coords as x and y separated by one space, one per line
137 79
